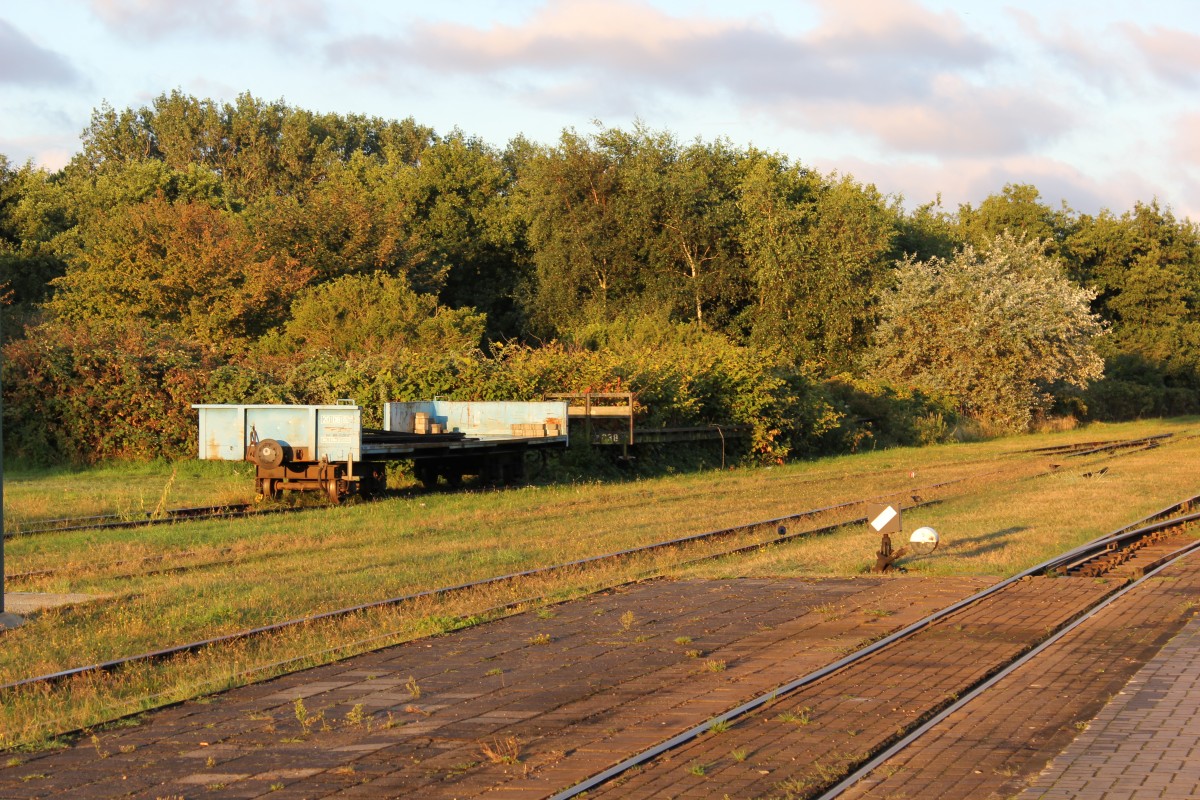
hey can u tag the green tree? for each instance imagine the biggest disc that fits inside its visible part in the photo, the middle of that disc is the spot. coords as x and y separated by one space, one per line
995 331
584 239
695 259
27 262
254 148
927 231
373 315
459 200
816 249
1145 266
186 267
1018 208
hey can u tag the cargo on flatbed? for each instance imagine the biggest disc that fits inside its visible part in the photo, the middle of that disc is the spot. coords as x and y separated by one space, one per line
325 447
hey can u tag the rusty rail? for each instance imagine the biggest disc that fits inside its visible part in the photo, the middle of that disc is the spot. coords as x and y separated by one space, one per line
190 647
142 519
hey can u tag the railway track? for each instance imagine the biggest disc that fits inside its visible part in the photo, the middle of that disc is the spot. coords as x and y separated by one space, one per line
46 682
138 520
965 647
844 714
238 510
778 526
1079 449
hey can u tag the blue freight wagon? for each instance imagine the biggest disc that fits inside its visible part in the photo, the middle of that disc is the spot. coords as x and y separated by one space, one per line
326 448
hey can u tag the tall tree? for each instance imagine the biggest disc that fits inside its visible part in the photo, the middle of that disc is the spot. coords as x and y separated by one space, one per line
185 267
995 331
696 254
584 238
817 249
1017 208
1145 266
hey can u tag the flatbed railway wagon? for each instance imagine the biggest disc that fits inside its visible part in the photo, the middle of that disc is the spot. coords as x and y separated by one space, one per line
326 448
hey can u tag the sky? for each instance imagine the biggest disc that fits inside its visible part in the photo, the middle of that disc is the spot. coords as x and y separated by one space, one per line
1096 103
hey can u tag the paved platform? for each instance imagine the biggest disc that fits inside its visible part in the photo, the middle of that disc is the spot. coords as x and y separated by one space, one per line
559 694
1000 743
521 707
28 603
1143 744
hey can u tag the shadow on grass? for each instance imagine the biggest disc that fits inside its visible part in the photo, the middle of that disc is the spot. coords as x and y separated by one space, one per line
984 543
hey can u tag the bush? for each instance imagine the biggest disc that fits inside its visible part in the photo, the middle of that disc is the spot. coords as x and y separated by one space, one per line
83 396
125 393
998 331
876 415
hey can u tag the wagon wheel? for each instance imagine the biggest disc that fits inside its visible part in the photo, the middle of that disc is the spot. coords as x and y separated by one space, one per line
268 489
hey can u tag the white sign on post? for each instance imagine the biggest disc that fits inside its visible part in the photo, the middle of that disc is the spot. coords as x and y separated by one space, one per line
883 518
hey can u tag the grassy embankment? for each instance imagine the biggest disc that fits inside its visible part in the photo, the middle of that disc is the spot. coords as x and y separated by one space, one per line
1010 515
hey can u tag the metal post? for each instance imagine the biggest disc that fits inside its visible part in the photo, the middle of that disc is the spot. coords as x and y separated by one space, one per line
6 620
1 474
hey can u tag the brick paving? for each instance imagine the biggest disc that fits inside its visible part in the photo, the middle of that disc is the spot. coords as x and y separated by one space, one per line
573 690
1145 743
1000 741
812 737
581 687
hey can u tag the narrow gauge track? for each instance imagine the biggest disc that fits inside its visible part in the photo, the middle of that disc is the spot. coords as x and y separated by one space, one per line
1151 544
30 575
235 510
34 574
778 524
1089 448
141 520
1148 572
45 683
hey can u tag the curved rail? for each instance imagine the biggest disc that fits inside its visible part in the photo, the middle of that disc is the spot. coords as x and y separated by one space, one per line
1096 546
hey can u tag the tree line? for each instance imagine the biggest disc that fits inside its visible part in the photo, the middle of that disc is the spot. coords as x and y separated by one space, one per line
203 251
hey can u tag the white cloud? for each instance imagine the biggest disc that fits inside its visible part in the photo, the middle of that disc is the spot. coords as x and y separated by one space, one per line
957 120
890 70
1090 59
969 180
286 22
1172 55
1185 144
25 63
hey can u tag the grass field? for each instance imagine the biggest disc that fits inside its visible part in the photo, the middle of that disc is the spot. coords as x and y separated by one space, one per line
173 584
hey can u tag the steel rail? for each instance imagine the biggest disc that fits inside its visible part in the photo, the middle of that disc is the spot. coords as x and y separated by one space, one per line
116 521
847 782
349 649
1098 545
238 510
144 560
1105 444
1149 441
190 647
1056 449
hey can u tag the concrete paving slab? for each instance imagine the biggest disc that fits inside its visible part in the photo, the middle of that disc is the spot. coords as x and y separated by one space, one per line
29 603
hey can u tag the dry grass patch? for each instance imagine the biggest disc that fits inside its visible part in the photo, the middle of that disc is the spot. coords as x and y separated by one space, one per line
1001 527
